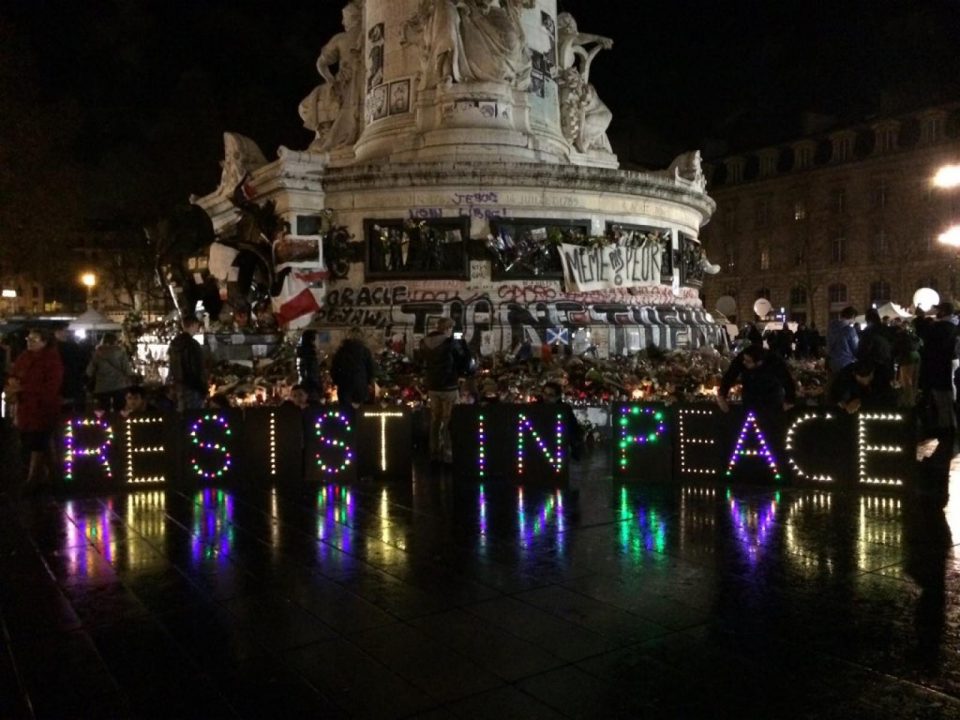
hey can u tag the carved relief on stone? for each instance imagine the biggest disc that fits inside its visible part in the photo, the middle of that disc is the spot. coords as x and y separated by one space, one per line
687 166
241 155
334 109
466 41
584 118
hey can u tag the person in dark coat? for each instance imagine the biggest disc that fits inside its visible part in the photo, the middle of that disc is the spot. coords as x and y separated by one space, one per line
308 363
937 353
861 387
353 370
765 380
444 360
876 347
34 382
187 366
74 359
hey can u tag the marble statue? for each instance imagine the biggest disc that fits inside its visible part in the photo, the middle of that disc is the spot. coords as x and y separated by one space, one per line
687 166
466 41
241 156
584 117
334 109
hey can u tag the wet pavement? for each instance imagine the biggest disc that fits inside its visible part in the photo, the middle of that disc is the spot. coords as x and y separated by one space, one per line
439 599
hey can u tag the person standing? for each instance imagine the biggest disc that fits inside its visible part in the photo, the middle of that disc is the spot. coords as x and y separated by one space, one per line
876 346
35 380
308 362
110 371
444 359
353 370
187 367
842 341
74 359
937 355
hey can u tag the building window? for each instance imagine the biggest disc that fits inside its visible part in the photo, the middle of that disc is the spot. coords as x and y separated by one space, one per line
838 249
763 293
762 211
804 157
880 195
840 200
799 256
800 210
733 291
764 258
730 217
731 258
837 294
881 243
879 292
798 296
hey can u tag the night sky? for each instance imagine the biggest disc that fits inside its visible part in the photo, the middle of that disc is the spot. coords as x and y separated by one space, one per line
123 102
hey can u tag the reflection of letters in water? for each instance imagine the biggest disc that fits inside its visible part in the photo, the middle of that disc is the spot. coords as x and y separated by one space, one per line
611 266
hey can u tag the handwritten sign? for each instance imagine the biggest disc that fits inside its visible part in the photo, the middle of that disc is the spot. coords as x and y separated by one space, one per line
611 266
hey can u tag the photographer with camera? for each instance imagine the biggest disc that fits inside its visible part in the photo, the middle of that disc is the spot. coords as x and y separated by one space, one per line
444 358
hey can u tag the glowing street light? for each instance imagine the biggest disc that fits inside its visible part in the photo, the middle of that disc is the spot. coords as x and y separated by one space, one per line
89 281
947 177
950 237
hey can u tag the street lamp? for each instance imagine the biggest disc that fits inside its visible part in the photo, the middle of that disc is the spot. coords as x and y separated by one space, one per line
950 237
947 177
89 281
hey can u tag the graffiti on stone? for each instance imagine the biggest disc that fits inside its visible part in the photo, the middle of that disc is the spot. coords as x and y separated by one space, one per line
514 313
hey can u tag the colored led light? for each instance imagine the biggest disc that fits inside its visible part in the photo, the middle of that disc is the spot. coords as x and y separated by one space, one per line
763 450
525 426
334 442
72 452
205 447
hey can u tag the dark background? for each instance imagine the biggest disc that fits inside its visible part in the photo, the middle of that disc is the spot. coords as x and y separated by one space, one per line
113 110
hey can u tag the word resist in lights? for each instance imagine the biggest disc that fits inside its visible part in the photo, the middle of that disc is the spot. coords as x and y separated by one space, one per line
207 447
332 442
133 449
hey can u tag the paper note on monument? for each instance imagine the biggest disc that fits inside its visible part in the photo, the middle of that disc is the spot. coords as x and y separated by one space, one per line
611 266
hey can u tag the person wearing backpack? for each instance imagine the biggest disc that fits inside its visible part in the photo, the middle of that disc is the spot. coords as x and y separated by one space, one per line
187 368
444 359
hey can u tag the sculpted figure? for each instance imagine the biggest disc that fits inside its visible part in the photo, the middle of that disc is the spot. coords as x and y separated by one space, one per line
241 156
688 166
438 21
583 116
333 109
471 41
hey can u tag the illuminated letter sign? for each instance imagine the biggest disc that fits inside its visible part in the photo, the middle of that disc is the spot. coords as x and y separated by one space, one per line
698 454
333 445
762 449
210 456
525 427
76 431
642 443
133 450
865 448
792 446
